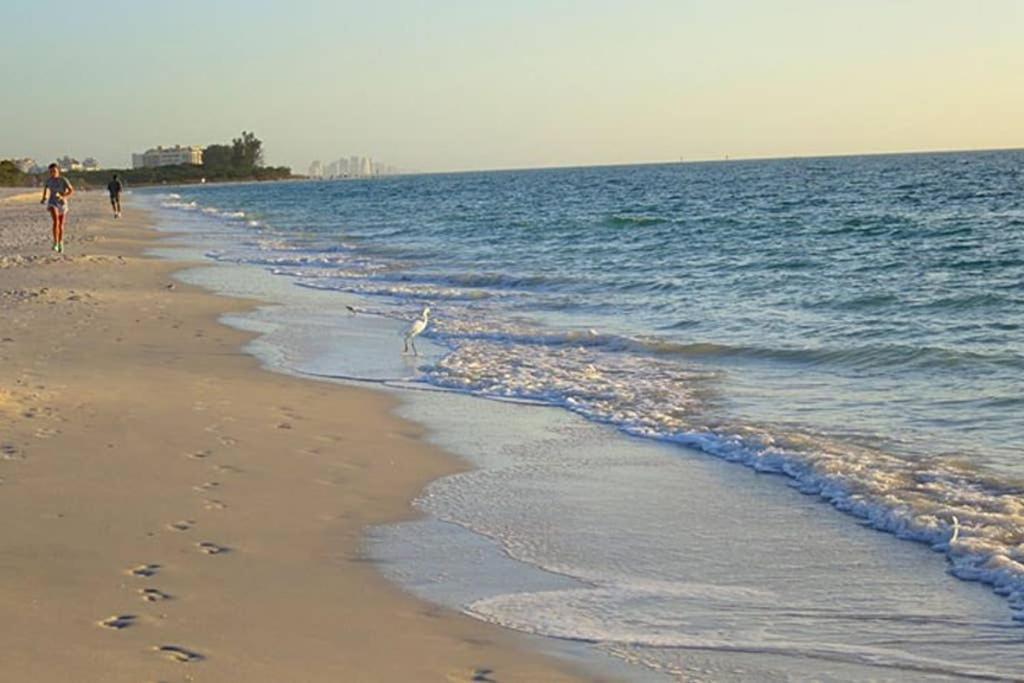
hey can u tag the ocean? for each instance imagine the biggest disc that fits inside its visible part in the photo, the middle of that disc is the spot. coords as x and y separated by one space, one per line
657 339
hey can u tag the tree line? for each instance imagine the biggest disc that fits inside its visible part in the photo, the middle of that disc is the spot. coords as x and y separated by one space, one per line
242 159
243 154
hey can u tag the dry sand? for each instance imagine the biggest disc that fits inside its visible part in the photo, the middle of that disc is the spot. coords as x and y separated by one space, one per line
172 512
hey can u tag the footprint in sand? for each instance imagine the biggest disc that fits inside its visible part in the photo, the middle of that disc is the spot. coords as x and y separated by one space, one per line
179 654
154 595
229 468
145 570
214 504
207 486
212 548
119 622
288 414
200 455
181 525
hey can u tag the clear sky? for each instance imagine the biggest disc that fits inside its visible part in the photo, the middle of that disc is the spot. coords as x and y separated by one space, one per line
463 84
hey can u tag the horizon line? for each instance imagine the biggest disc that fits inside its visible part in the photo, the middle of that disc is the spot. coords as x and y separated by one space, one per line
725 159
680 160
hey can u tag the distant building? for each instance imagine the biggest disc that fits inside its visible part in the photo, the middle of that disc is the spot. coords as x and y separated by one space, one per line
90 164
68 163
351 167
169 156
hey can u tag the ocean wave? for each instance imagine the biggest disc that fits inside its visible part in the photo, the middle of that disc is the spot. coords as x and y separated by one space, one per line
983 264
864 357
683 324
504 280
176 202
916 499
857 302
482 280
405 292
969 302
601 615
321 260
180 204
634 220
289 244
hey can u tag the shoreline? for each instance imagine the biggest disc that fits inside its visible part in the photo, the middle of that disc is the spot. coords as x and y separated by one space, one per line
899 587
179 512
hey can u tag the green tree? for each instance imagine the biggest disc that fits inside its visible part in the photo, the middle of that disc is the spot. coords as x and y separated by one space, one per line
217 157
247 151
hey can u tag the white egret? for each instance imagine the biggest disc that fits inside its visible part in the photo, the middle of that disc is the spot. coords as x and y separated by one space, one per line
416 329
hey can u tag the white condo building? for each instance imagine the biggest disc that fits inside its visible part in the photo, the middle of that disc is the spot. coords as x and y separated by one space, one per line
169 156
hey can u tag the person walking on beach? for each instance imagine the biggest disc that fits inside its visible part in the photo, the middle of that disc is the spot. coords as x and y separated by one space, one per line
115 187
59 190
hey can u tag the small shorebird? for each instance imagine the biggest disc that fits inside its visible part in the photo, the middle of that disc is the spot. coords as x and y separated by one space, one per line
416 329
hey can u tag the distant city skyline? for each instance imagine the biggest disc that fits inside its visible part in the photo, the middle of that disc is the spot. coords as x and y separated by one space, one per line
348 167
463 85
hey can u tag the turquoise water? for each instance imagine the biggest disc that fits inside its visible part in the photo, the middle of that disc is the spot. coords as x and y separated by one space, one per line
854 324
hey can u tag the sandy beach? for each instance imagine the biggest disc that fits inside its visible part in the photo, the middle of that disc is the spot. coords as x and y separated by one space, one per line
173 512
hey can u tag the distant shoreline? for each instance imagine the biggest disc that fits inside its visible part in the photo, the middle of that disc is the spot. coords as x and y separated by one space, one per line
76 175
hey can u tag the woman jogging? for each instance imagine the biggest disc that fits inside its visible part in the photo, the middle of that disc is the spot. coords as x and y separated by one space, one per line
59 190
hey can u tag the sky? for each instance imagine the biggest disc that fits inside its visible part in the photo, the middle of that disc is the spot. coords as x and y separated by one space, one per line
436 85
